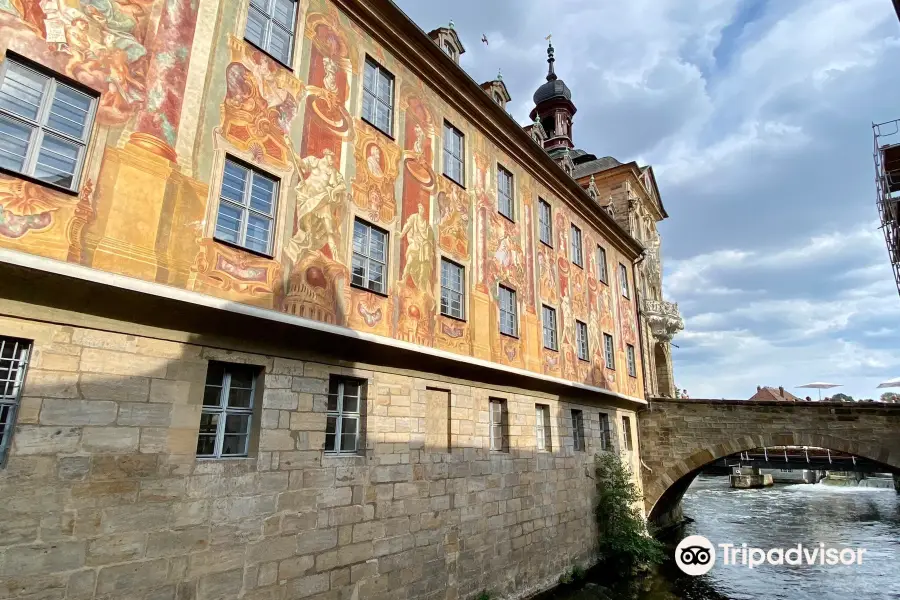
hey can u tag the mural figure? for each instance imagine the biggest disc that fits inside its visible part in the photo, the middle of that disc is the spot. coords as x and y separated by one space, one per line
454 221
419 144
419 249
320 202
374 161
100 43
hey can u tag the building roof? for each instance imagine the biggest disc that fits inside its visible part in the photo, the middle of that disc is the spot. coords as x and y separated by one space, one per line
554 87
773 393
594 166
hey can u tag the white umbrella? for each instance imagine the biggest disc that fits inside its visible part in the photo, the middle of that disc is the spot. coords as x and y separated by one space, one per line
820 385
895 382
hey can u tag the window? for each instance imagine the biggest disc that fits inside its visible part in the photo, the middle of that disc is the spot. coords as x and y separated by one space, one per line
378 97
450 49
270 27
545 224
227 410
542 427
605 437
13 360
581 340
577 256
505 193
632 365
498 424
246 208
578 430
369 257
626 429
601 264
623 279
44 125
343 422
454 154
509 319
452 295
608 352
548 319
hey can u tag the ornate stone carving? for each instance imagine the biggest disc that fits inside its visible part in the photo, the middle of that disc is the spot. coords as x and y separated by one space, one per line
663 318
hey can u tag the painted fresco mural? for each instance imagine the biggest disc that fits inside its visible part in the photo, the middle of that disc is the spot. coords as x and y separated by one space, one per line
149 193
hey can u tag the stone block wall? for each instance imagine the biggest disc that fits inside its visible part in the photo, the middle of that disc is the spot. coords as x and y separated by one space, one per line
102 496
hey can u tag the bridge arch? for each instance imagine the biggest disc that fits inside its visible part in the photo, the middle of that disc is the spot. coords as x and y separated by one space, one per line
680 437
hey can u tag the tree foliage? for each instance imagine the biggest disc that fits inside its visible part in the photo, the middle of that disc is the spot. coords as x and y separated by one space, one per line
890 397
624 543
839 397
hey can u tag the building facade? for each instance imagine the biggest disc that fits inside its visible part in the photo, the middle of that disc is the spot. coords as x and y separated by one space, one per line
293 308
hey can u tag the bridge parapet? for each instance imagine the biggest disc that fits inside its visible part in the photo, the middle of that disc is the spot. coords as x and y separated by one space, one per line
680 436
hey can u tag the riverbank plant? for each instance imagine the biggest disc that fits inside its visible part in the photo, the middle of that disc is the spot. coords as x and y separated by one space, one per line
572 575
624 544
484 595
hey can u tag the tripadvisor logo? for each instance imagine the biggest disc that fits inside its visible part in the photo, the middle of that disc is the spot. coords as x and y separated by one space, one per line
696 555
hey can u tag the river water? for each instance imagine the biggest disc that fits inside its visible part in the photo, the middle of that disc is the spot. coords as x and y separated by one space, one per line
782 517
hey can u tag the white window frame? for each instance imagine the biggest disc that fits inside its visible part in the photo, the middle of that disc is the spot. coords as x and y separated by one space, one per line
623 276
542 432
626 430
545 226
581 340
245 207
605 432
372 97
631 360
497 424
504 195
454 155
577 250
448 291
609 351
266 10
39 125
340 415
224 411
14 355
368 260
578 441
548 313
512 310
602 266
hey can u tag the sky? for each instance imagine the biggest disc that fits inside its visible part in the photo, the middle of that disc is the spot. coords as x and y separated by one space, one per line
757 118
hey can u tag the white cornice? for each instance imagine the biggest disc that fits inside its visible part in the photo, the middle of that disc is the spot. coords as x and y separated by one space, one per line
159 290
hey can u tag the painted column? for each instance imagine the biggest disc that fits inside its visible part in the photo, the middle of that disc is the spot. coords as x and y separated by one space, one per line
157 125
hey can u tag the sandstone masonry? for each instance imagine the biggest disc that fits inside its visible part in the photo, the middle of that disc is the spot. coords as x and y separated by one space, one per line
102 496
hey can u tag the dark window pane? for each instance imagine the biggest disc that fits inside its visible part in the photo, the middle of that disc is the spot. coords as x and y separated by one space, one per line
215 373
348 442
206 445
212 395
209 423
349 425
330 430
237 424
234 445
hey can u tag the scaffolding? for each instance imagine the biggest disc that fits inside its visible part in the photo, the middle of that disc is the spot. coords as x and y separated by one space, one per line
887 183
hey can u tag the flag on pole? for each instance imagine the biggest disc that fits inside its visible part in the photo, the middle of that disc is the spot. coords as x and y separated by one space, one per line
548 37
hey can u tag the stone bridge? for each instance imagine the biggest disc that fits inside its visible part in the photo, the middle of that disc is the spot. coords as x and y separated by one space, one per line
679 437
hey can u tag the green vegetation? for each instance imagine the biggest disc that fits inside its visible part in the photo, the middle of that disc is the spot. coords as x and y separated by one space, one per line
572 575
890 397
484 595
624 544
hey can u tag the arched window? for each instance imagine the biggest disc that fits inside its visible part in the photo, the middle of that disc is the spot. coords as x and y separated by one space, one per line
498 98
450 49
